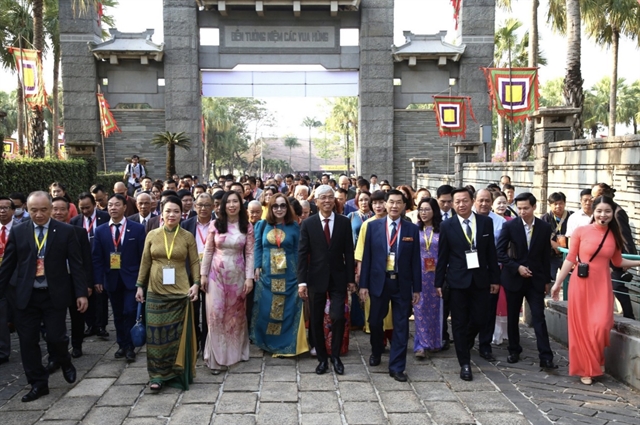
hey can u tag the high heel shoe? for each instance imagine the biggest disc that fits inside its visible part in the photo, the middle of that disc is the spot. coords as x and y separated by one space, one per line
586 380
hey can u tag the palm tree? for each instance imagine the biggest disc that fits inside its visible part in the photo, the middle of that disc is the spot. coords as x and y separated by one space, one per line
215 113
171 141
310 122
343 119
37 117
291 142
629 103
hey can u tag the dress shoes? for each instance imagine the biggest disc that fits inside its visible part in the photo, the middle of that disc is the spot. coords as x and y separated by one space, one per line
322 368
76 352
548 364
102 333
130 355
337 365
69 373
445 345
399 376
465 373
90 331
4 360
120 353
488 356
35 393
513 358
374 360
52 366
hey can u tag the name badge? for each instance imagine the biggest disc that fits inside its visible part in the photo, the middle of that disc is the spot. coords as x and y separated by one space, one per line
114 261
391 261
562 240
201 256
430 264
40 267
168 275
0 261
472 259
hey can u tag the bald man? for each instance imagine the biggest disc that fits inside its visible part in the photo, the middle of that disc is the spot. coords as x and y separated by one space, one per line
131 207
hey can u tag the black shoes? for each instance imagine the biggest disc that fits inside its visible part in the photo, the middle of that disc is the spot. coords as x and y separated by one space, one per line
35 393
90 331
548 364
322 368
513 358
130 355
52 366
488 356
399 376
102 333
446 345
374 360
76 352
120 353
69 373
337 365
465 373
4 360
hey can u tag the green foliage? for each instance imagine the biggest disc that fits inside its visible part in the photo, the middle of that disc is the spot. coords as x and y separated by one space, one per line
171 141
108 179
551 92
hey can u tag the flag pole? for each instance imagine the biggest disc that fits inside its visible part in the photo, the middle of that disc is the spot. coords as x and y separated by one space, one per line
104 155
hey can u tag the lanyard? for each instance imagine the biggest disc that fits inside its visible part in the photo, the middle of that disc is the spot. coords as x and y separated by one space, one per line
393 241
39 244
202 239
428 242
88 229
168 249
117 243
278 240
559 221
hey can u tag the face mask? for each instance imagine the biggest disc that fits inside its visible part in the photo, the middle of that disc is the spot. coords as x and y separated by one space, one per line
19 211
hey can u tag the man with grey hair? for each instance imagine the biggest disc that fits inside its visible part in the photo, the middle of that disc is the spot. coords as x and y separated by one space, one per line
302 194
326 265
306 209
254 209
46 256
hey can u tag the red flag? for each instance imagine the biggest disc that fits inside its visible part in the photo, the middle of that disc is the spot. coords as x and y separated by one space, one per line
451 114
29 66
513 91
456 10
107 123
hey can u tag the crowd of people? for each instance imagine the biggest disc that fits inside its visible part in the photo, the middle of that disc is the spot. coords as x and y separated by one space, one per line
293 266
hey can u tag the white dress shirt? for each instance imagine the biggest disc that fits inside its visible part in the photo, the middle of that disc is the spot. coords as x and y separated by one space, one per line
575 220
472 219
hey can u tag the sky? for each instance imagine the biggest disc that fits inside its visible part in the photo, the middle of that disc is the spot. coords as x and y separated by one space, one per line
418 16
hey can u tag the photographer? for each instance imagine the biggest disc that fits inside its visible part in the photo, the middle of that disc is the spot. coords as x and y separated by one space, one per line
133 173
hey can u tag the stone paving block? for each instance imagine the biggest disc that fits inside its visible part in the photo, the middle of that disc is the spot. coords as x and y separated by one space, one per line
133 375
254 351
383 382
192 414
281 373
319 402
269 360
354 373
97 415
237 403
166 390
241 382
43 403
353 357
409 419
277 414
423 373
434 391
448 413
617 408
70 408
368 413
479 383
252 366
486 401
204 376
315 382
20 418
548 406
401 402
201 393
106 370
154 405
233 420
146 421
321 418
617 418
357 391
91 387
279 392
121 395
500 418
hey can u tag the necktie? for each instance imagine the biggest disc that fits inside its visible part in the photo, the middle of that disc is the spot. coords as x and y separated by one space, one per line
327 233
40 279
529 230
445 216
394 230
468 230
3 240
117 232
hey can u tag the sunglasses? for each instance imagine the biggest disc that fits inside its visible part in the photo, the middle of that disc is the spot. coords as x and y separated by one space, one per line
279 207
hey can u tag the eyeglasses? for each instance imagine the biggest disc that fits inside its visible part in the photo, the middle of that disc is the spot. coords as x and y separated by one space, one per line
279 207
204 205
4 208
424 211
326 198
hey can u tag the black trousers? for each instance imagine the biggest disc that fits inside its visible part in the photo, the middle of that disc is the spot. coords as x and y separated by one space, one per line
445 316
97 314
469 309
486 333
621 293
5 336
317 302
200 319
77 331
39 310
535 298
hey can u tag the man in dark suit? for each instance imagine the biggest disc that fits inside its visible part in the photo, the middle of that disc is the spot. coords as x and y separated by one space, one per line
46 256
391 271
130 203
467 262
155 222
143 203
90 217
326 265
7 209
524 250
117 253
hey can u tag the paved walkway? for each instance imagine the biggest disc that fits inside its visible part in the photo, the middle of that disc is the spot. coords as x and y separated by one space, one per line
266 390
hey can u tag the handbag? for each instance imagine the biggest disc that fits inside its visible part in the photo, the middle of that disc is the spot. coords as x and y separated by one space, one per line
138 331
583 268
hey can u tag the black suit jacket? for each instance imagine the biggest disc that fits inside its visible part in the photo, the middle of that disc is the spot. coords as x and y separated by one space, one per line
85 250
513 253
136 218
101 218
63 267
317 261
452 260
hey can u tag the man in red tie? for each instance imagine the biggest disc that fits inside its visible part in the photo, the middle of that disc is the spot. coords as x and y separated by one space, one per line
6 221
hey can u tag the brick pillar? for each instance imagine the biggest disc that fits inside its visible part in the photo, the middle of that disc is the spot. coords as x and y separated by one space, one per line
183 108
78 66
375 149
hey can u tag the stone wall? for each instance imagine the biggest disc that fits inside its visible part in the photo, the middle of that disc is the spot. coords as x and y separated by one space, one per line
415 135
481 174
138 127
433 181
375 151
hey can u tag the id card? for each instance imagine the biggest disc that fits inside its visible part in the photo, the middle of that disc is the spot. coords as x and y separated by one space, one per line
430 264
0 261
278 259
472 259
40 267
391 261
168 275
201 256
562 240
114 261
